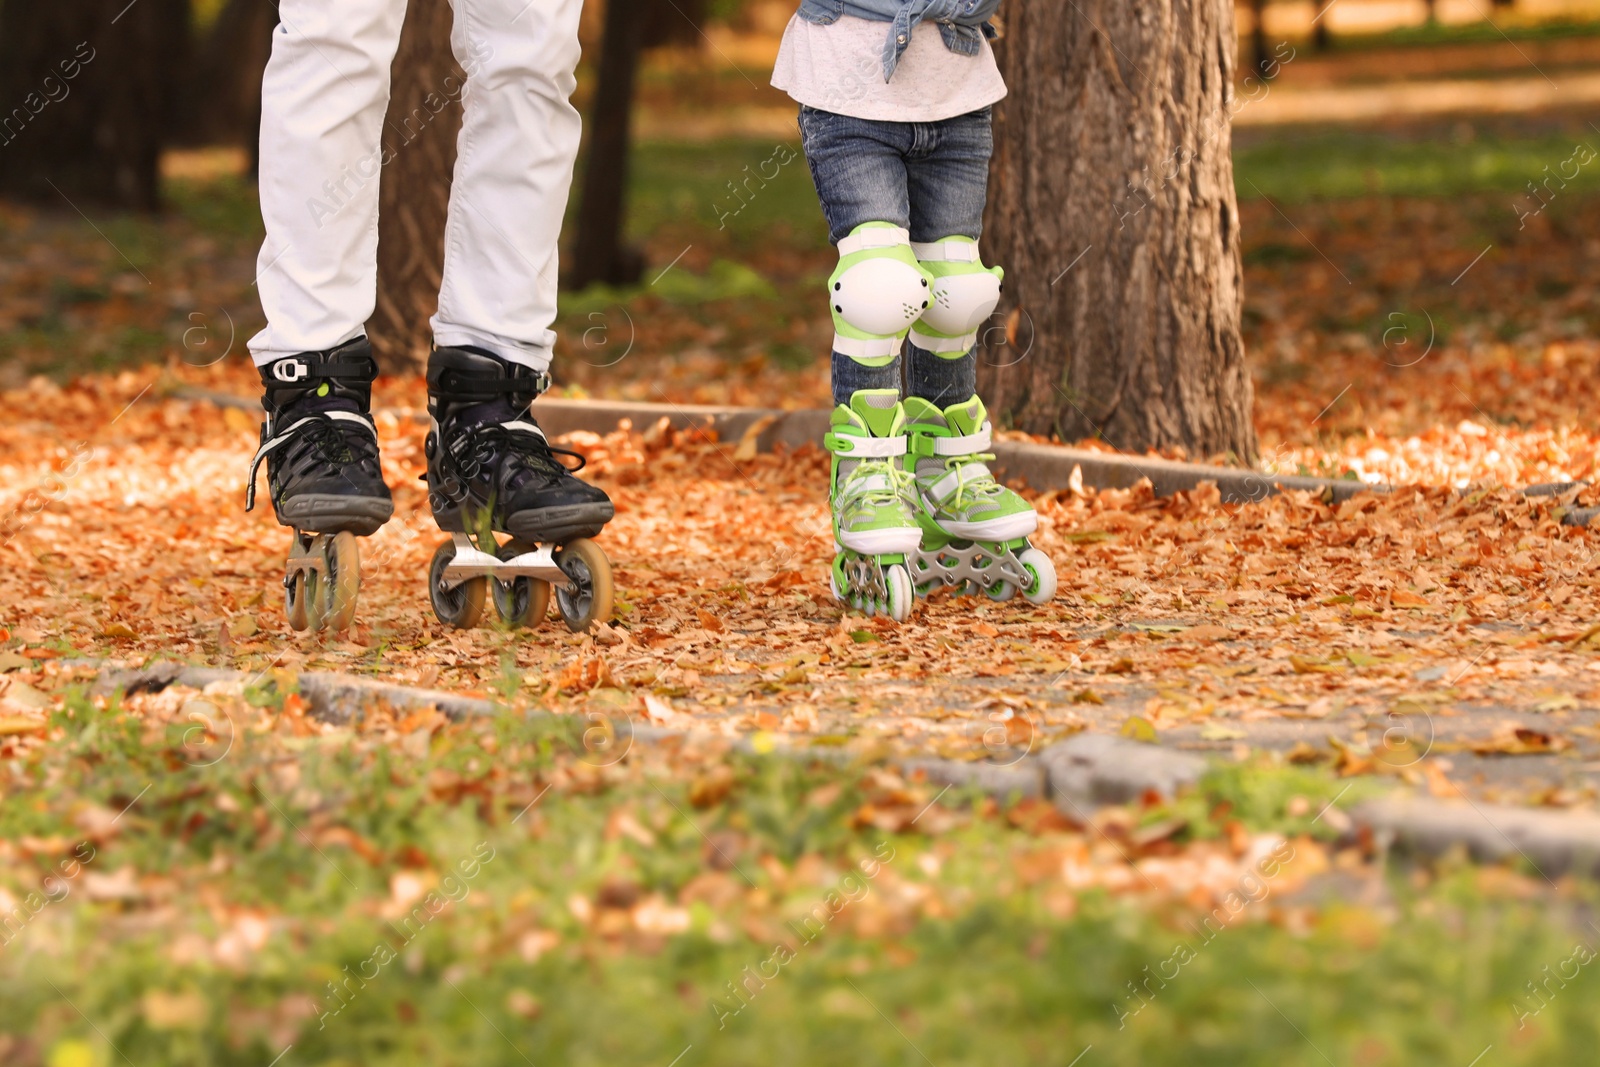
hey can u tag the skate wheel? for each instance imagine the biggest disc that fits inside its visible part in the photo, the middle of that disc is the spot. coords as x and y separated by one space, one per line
1000 592
521 601
294 601
833 586
585 563
462 606
1043 571
902 594
343 583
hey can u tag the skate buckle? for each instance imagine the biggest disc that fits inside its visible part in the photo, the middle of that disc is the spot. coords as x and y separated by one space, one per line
290 370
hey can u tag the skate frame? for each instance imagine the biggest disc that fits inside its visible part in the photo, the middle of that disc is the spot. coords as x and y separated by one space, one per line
472 562
306 555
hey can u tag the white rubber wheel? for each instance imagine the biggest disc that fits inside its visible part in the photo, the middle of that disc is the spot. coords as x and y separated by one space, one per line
902 594
1000 592
833 586
1043 570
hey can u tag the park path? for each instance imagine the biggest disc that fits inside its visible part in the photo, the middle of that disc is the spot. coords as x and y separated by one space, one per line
1428 634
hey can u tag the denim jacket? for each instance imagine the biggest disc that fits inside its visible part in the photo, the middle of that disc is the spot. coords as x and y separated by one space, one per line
960 21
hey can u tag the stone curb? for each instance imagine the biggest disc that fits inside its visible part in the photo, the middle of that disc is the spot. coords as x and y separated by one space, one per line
1554 842
1042 467
1089 770
1080 774
1095 769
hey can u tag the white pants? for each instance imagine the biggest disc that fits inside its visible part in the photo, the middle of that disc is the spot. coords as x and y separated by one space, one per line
323 146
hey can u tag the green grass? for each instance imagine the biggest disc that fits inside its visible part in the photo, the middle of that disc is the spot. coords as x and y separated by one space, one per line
743 193
1339 163
308 834
1484 32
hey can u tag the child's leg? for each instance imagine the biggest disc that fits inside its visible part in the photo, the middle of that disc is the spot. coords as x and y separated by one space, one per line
859 169
518 140
947 186
975 530
875 294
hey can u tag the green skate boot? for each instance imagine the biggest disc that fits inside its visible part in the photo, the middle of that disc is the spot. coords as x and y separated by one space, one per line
974 530
872 499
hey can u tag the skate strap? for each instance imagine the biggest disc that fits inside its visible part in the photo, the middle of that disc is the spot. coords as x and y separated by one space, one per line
960 476
282 438
291 369
954 445
867 447
945 251
864 484
867 347
929 342
457 386
874 237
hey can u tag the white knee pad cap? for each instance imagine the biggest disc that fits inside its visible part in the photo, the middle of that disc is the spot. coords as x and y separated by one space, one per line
877 292
880 296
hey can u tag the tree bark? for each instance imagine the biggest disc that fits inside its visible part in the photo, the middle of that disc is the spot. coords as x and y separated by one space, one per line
89 90
601 253
414 192
1112 208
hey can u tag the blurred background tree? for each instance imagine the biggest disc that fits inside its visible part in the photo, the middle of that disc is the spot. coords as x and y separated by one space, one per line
91 90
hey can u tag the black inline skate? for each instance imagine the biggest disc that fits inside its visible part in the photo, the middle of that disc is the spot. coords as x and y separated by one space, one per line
491 470
321 451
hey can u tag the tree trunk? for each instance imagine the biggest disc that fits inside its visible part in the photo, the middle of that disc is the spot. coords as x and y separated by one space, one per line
1321 35
90 88
223 104
601 254
1112 208
1258 39
414 193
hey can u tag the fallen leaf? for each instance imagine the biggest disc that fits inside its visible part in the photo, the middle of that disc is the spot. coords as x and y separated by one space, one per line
1139 729
751 439
1519 741
16 724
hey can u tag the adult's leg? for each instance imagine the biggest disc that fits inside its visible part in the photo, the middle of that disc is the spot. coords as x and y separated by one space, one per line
513 172
322 105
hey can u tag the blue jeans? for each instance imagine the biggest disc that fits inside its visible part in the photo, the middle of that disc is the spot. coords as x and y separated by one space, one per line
929 177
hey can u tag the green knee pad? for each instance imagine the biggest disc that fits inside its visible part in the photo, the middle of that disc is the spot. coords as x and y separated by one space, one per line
965 294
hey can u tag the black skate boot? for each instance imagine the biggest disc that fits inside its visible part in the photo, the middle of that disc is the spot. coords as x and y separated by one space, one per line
491 470
321 452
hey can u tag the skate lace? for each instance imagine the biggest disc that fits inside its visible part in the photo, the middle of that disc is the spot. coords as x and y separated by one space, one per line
875 484
537 453
316 440
979 490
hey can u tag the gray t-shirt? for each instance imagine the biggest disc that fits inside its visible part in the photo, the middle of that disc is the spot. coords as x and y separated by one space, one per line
839 68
